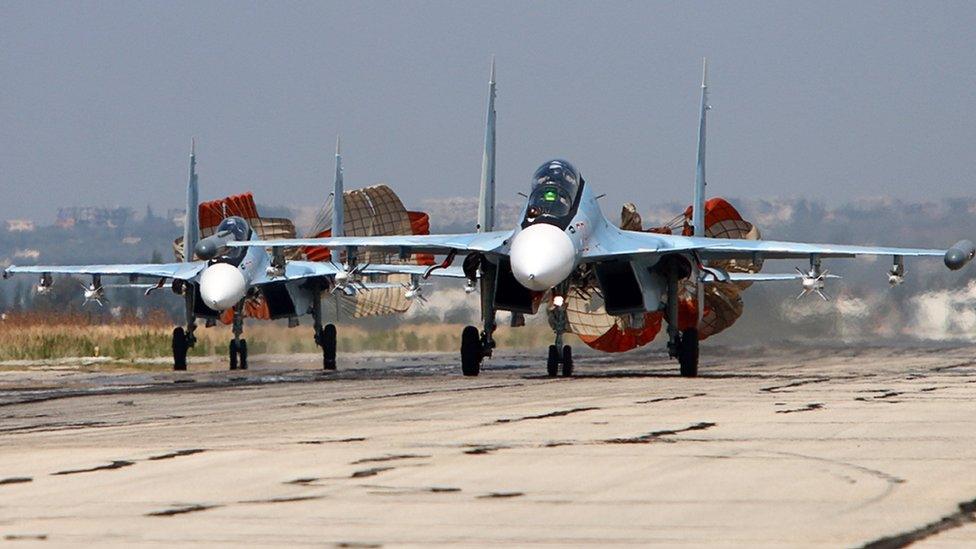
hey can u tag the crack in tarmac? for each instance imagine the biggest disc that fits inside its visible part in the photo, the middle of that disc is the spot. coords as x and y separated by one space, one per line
286 499
335 440
965 514
52 427
485 449
388 458
176 454
669 399
181 510
656 435
117 464
808 408
779 388
430 392
557 413
15 480
372 472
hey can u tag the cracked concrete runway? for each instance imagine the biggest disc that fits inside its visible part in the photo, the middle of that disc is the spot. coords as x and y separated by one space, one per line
799 447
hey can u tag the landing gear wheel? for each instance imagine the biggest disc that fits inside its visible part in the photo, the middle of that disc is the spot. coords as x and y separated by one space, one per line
471 351
688 353
552 363
329 347
233 354
180 348
567 361
242 353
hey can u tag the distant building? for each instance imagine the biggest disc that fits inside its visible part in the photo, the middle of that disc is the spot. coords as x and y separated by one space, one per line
131 240
176 215
20 225
90 216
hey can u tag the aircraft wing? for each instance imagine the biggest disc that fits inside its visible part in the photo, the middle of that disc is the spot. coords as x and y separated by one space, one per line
762 277
299 270
438 244
633 243
180 271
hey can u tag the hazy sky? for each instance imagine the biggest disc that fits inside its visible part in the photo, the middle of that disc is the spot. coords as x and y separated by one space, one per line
832 101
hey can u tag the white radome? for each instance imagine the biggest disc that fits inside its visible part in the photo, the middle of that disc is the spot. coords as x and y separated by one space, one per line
542 256
222 286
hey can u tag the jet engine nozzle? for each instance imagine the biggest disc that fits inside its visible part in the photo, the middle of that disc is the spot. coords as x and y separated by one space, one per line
212 246
960 254
542 256
222 286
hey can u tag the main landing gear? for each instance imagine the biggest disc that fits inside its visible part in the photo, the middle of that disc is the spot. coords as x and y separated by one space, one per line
181 345
475 347
472 352
184 338
682 344
238 346
324 337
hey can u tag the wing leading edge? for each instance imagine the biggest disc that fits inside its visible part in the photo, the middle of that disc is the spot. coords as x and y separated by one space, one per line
630 244
180 271
462 243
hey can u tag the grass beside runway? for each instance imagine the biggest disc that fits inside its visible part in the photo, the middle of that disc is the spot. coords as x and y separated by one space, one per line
31 337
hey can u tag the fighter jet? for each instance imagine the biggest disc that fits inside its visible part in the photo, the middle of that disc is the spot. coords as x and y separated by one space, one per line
223 278
563 244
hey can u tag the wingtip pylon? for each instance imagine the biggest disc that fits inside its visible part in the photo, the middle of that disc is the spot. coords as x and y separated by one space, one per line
704 72
338 145
491 78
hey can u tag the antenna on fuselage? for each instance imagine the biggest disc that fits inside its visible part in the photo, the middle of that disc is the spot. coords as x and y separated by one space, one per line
698 206
191 223
486 198
338 200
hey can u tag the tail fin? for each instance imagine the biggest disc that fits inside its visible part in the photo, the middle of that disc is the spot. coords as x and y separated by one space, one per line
486 198
338 201
191 225
698 206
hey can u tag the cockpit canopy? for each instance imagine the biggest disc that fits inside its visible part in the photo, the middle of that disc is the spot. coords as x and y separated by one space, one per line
553 196
237 228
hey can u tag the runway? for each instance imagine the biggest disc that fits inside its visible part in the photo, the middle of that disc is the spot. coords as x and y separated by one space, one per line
799 447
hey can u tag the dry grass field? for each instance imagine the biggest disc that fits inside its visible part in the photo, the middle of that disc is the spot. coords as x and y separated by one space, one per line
37 337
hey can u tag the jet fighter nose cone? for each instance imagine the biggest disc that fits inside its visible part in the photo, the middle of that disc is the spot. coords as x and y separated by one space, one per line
542 256
222 286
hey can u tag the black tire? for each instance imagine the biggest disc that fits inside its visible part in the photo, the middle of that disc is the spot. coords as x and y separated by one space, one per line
688 353
179 349
329 347
242 353
471 352
567 361
552 363
233 354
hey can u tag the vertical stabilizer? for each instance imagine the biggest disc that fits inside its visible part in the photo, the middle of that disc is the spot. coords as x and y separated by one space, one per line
698 206
191 224
338 200
486 198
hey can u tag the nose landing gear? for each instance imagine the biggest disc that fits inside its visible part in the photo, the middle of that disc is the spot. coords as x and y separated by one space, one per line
238 346
557 358
324 337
